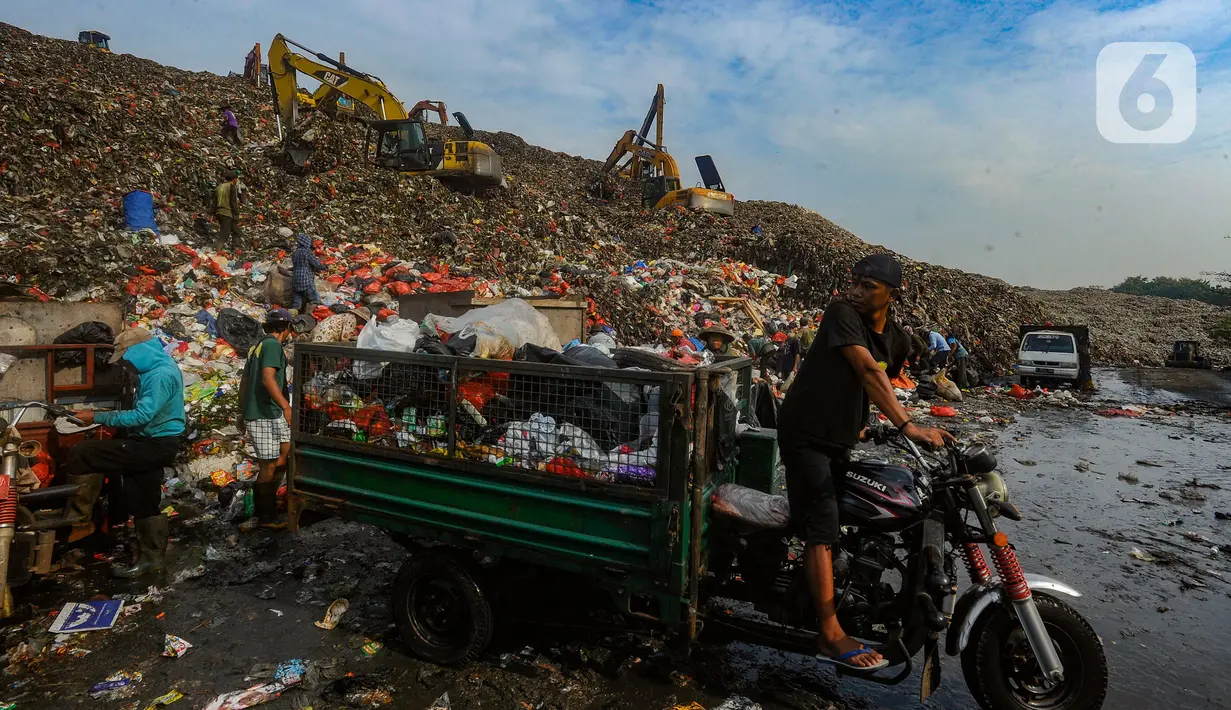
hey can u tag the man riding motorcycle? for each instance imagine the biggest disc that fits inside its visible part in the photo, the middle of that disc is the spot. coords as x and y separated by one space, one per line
857 349
155 427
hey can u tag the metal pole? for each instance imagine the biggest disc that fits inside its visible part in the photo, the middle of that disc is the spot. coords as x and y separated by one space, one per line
696 510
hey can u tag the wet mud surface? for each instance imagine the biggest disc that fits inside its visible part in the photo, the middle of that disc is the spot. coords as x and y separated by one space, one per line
1095 492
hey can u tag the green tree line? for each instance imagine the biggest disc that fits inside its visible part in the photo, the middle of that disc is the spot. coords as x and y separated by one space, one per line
1167 287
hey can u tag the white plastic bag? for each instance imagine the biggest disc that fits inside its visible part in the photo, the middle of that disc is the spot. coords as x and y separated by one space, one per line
576 441
501 329
398 336
751 506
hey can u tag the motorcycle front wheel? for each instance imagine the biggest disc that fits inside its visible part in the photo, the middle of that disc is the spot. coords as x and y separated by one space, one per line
1002 673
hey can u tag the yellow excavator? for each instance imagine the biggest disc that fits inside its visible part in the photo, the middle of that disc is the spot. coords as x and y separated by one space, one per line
653 166
397 134
96 39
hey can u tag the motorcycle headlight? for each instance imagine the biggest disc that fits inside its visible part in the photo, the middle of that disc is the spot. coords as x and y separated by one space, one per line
991 486
979 459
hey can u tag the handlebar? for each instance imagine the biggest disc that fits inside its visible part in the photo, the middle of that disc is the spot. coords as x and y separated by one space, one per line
52 409
883 434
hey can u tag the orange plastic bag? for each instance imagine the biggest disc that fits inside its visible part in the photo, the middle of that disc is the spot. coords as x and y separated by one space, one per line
943 411
903 382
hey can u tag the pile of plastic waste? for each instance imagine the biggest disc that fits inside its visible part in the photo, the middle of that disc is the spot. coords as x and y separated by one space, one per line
81 130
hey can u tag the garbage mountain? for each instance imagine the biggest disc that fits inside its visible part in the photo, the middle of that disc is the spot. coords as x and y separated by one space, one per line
80 129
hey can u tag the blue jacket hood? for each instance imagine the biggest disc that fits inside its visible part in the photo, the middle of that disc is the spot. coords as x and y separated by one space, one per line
159 407
148 355
303 241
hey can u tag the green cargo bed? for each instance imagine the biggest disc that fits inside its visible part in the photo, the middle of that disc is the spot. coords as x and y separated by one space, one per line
460 451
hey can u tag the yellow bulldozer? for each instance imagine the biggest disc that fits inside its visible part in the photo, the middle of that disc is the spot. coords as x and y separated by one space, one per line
650 164
395 138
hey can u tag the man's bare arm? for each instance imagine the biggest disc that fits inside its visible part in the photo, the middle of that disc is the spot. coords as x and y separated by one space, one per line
876 383
270 380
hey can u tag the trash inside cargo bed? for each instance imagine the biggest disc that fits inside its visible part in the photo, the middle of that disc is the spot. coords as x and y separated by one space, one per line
571 421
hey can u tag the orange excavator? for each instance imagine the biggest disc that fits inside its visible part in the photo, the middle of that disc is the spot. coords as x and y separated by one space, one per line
651 164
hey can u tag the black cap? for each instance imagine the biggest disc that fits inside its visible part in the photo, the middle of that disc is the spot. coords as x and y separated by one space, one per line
882 267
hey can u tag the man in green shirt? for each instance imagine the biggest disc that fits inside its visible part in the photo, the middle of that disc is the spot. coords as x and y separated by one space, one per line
265 413
226 209
806 334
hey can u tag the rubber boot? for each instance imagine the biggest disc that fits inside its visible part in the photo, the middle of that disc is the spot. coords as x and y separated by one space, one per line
264 506
152 534
81 507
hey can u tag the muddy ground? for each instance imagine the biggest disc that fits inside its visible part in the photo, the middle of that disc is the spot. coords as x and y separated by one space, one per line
1092 488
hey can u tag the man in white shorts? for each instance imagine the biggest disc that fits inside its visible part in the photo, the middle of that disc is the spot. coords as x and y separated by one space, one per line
265 414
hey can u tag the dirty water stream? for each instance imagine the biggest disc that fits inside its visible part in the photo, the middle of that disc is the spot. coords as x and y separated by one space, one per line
1092 490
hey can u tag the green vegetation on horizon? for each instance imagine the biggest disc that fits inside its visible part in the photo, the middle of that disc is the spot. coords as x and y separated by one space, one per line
1182 288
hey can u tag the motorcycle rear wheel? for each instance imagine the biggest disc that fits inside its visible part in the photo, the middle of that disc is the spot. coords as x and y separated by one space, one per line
1007 676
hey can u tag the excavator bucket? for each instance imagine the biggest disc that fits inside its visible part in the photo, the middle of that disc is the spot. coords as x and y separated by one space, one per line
709 173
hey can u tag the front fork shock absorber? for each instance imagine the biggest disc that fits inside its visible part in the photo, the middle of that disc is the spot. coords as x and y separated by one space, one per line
976 565
1017 591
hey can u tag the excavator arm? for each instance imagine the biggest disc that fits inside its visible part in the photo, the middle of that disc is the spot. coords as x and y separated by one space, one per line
285 65
659 174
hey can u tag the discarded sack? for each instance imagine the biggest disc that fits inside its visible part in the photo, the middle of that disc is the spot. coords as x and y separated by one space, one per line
90 332
239 329
751 506
139 211
946 387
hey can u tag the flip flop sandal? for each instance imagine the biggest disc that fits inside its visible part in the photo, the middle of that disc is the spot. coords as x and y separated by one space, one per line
845 660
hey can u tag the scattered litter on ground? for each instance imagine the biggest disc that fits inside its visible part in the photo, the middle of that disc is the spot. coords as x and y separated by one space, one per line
117 686
333 614
77 617
164 700
174 646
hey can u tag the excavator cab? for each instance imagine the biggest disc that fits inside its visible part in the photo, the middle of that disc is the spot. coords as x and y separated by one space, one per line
654 189
402 145
94 38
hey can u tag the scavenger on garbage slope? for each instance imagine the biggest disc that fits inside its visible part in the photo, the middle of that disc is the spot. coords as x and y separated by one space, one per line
400 142
653 166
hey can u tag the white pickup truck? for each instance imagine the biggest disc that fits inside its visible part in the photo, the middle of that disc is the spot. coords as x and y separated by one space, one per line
1047 355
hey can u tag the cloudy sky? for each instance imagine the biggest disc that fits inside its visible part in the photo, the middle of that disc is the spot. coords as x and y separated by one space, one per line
956 133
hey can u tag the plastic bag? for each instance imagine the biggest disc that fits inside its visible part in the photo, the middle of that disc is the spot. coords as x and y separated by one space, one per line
943 411
946 388
574 441
751 506
501 329
535 437
398 336
89 332
239 329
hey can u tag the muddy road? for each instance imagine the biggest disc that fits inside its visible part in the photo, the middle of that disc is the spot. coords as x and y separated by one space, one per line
1095 491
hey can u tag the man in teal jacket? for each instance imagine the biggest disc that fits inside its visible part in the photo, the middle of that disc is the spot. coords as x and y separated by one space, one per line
155 428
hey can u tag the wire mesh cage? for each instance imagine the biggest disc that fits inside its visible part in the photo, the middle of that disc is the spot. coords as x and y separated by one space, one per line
573 422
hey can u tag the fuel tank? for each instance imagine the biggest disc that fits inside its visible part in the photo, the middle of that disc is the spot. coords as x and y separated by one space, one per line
879 496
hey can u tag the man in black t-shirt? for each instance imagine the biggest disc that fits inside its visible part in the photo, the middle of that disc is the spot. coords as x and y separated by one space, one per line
856 351
789 355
